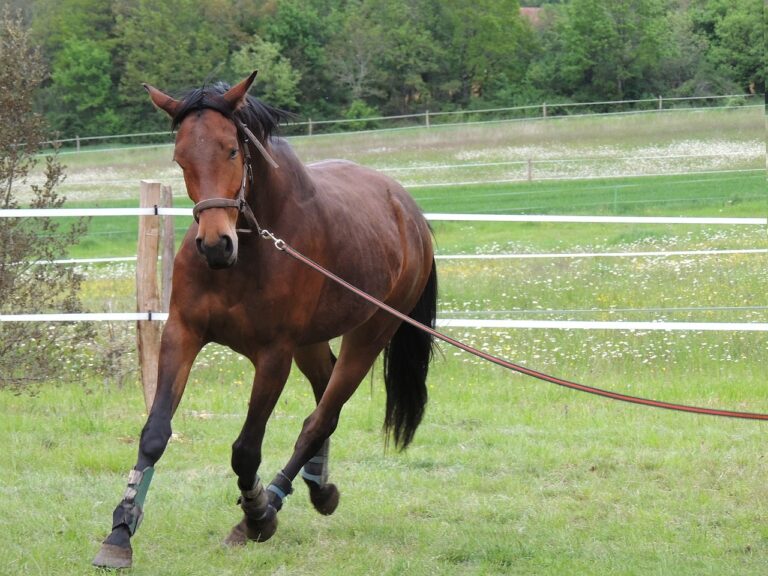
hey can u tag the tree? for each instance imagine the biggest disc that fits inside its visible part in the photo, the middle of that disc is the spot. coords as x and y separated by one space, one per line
735 34
277 82
165 44
487 45
80 98
355 55
29 282
56 22
606 50
303 29
408 56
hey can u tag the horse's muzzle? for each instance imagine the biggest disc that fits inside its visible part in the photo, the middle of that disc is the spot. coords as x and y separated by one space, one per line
219 255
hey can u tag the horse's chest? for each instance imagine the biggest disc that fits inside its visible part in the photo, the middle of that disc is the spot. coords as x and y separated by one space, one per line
245 319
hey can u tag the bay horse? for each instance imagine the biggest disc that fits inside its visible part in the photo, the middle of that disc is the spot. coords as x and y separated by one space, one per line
233 288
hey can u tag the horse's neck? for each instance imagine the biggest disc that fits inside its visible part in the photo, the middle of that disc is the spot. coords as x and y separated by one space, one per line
276 188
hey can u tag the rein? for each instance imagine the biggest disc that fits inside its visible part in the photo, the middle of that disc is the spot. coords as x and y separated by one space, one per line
282 246
244 208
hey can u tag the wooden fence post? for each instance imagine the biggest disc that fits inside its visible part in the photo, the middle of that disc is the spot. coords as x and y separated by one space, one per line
169 247
147 291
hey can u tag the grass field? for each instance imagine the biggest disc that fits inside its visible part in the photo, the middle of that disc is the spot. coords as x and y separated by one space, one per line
507 475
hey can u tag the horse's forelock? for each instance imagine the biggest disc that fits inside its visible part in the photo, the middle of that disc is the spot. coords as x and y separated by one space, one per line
261 118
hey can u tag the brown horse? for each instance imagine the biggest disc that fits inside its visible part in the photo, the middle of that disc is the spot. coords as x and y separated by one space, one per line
234 288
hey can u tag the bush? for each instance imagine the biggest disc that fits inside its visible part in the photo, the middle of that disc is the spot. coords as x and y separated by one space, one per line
29 281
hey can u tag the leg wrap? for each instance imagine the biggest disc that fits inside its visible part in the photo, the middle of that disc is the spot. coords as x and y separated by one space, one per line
130 511
316 470
254 502
280 488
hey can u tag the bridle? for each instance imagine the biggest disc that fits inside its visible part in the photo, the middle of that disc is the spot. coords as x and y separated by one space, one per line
245 136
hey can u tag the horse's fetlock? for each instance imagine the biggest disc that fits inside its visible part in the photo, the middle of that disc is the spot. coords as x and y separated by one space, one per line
130 511
279 489
254 502
316 469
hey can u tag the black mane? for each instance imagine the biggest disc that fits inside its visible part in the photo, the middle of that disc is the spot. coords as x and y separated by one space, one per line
263 119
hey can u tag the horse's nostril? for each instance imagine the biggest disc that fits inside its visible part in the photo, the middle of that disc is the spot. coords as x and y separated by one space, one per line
220 253
228 245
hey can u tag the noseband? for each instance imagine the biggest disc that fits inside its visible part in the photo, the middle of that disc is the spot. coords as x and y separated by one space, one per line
240 202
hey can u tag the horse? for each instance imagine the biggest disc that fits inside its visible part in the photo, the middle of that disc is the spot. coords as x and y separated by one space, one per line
233 288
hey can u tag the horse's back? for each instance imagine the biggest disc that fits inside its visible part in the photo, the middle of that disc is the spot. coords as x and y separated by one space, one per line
363 193
374 233
363 205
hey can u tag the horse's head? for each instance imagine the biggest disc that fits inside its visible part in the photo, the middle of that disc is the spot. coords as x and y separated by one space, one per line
215 160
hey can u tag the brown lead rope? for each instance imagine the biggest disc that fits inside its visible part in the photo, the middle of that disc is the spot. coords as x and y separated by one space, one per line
281 245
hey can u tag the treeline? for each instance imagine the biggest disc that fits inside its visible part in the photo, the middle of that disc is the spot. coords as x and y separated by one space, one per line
358 58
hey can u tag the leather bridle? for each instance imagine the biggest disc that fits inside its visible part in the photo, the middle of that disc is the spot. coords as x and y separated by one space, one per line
239 202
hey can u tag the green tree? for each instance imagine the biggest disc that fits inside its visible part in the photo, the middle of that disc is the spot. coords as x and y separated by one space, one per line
56 22
355 54
277 82
166 44
29 281
408 56
607 50
304 28
734 32
488 46
80 98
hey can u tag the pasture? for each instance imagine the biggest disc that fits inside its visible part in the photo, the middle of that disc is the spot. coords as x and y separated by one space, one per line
507 475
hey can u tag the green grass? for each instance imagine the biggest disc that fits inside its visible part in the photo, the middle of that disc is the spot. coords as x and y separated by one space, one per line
507 475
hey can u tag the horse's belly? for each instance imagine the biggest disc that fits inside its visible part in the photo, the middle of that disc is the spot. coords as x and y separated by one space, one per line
335 317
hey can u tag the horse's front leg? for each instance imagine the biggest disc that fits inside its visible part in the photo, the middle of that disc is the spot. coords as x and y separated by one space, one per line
259 517
178 350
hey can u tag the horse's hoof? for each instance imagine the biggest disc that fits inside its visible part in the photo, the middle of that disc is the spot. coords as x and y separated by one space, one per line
259 530
116 557
237 536
324 498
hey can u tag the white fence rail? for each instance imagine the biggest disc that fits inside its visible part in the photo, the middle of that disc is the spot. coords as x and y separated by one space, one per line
445 323
441 323
432 216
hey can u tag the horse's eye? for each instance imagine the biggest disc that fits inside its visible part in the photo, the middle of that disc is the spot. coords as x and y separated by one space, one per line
233 154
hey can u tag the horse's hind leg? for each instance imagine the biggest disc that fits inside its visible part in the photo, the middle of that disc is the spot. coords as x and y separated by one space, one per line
316 362
359 349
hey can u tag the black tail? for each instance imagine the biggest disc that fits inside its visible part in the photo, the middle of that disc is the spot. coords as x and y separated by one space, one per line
406 362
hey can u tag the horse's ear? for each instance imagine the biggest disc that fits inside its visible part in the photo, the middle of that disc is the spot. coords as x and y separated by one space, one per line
163 102
235 96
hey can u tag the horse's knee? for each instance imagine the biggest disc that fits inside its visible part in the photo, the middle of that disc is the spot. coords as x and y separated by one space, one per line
317 428
154 439
246 459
